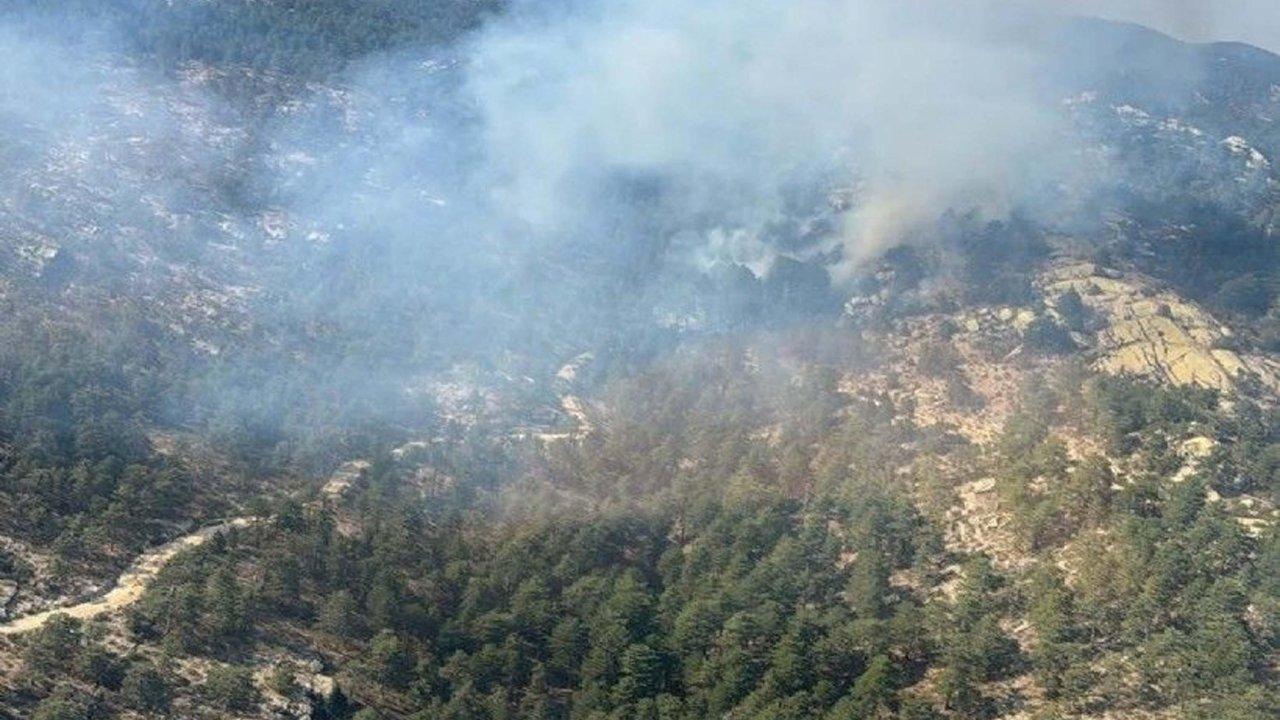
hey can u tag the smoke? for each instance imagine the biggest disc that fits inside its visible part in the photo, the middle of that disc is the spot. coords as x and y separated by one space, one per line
732 106
696 132
639 137
592 173
572 170
570 176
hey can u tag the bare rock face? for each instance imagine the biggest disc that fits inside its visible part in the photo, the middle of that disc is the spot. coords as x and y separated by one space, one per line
1142 330
8 591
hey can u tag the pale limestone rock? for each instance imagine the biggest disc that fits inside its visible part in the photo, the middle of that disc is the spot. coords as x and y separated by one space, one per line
1157 334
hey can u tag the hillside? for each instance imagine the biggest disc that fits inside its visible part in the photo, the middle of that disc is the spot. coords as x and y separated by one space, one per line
461 360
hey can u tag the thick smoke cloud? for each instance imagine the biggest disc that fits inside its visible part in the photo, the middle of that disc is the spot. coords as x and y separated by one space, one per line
640 135
661 132
564 175
696 131
722 114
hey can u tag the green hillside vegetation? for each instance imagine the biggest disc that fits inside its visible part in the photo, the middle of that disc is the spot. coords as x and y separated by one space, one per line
795 578
304 38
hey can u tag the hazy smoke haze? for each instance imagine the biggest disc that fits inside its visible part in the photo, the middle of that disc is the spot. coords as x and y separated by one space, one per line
573 170
1253 21
722 114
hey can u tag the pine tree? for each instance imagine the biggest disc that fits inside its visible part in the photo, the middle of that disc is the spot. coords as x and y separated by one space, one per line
535 704
641 674
869 585
145 689
340 615
65 703
337 706
565 650
99 666
55 646
282 681
873 692
391 663
232 688
226 605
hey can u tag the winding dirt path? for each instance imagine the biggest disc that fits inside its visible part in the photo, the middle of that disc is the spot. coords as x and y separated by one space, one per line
131 584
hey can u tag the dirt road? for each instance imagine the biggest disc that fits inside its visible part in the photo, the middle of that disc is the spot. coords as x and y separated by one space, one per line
131 584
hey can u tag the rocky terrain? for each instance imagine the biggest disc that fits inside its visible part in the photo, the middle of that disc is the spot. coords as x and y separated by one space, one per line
1158 334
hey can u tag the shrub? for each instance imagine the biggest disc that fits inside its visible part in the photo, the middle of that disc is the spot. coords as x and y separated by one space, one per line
145 689
232 688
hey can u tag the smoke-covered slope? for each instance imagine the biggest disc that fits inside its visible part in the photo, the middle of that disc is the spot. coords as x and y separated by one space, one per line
375 204
665 303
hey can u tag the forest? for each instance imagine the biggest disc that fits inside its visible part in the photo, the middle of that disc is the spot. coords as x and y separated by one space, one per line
679 489
302 38
795 579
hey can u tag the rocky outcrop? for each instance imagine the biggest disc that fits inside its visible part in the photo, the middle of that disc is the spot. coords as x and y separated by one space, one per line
1146 331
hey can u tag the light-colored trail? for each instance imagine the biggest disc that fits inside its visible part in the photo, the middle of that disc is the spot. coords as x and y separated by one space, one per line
131 584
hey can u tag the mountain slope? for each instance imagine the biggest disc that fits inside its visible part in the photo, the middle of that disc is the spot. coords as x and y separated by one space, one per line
667 461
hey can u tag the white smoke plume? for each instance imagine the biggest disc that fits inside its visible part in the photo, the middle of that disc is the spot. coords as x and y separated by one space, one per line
915 106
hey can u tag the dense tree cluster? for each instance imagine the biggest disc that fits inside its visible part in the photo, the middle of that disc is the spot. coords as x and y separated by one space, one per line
789 579
296 37
766 609
78 473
